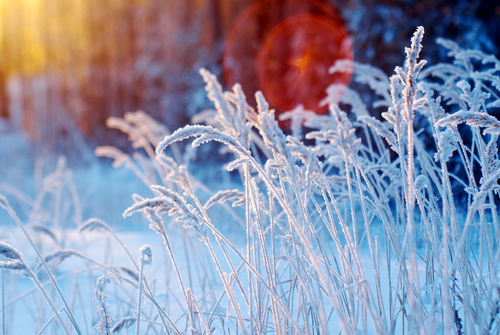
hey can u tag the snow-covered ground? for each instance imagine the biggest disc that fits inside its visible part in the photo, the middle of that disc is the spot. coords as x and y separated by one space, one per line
26 311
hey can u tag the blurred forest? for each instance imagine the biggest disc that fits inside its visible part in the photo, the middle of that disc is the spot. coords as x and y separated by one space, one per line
67 65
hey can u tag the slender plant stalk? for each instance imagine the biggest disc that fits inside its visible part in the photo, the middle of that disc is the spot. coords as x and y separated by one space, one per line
148 294
129 255
139 295
3 302
5 204
49 301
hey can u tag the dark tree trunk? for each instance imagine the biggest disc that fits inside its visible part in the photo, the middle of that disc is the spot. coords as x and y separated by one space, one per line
4 96
216 20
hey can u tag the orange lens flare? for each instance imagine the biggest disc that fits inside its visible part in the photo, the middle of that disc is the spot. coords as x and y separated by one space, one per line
284 49
302 62
294 61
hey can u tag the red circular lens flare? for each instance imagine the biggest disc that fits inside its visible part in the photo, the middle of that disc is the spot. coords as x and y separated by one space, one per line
285 48
294 62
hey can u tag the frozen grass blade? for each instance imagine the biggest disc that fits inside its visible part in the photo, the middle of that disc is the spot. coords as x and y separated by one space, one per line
19 264
3 301
48 323
99 302
145 259
4 203
124 323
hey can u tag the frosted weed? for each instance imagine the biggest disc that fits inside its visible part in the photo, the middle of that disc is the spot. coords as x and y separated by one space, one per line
364 231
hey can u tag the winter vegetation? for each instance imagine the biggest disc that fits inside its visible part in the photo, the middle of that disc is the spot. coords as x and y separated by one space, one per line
352 224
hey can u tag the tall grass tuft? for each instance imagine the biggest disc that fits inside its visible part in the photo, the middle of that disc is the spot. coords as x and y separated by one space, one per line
374 225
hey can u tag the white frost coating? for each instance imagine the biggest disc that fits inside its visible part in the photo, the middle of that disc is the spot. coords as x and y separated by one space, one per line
146 254
372 224
8 251
446 144
182 134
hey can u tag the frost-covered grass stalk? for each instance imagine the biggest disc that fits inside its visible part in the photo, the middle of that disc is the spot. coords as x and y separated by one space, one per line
384 225
145 259
3 301
4 204
16 262
99 300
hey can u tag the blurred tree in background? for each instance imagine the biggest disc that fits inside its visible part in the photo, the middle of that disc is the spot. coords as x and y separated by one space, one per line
70 64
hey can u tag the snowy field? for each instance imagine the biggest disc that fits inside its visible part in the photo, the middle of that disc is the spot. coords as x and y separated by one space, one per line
357 225
79 277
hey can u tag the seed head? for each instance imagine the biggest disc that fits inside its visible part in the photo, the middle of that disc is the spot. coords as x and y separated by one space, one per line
8 251
146 255
124 323
15 265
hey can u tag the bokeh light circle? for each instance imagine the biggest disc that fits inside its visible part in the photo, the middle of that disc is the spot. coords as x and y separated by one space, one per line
294 62
285 48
